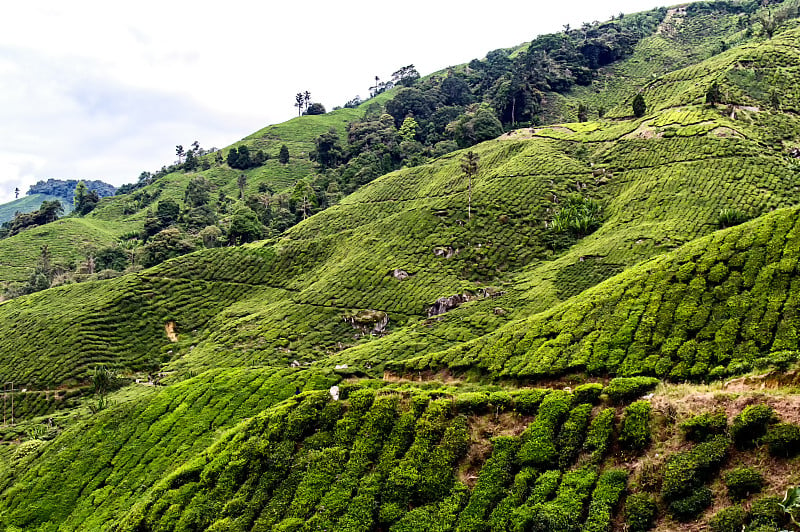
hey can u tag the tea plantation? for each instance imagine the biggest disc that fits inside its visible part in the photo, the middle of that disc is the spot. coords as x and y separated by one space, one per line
596 331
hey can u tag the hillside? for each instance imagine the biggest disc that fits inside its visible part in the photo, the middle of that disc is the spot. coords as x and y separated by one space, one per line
432 351
27 204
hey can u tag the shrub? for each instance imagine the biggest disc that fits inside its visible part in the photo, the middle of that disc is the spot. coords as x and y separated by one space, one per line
731 217
539 447
599 434
623 389
783 440
527 402
729 519
570 438
685 472
472 403
766 511
751 424
587 393
692 505
605 497
635 433
702 427
640 512
500 401
743 482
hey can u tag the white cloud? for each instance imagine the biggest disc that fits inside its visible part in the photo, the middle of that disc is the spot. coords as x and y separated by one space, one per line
103 90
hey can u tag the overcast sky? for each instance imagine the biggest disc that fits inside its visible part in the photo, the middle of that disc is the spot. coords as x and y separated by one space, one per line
105 90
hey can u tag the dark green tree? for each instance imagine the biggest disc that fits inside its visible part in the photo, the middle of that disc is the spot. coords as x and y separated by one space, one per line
167 212
315 109
245 227
198 192
714 94
241 182
328 149
639 106
469 165
299 102
283 155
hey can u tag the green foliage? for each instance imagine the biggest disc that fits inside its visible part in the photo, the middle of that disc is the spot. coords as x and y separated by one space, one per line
598 437
731 519
577 215
751 424
639 106
587 393
572 434
783 440
692 504
704 426
731 217
766 511
635 431
743 482
607 494
624 389
640 512
539 439
685 472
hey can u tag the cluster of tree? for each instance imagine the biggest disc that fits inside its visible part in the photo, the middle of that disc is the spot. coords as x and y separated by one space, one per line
85 200
48 212
241 159
302 100
433 116
65 188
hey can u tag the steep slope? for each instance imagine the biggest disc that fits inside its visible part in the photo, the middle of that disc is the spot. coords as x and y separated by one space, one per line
718 306
27 203
662 181
239 430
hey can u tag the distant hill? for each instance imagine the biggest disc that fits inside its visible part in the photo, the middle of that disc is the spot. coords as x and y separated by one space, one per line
64 189
29 204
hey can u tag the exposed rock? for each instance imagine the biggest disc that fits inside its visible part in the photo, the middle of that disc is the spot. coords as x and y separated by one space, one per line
499 311
444 304
368 321
400 275
794 153
340 366
295 364
334 391
445 252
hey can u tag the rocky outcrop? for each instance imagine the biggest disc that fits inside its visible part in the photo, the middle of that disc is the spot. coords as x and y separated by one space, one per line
368 321
444 304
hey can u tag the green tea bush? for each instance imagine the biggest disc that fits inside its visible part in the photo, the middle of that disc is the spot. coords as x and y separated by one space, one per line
539 439
692 505
472 402
743 482
563 513
598 437
702 427
635 431
783 440
572 434
606 495
640 512
766 511
624 389
751 424
686 471
587 393
729 519
495 475
527 402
